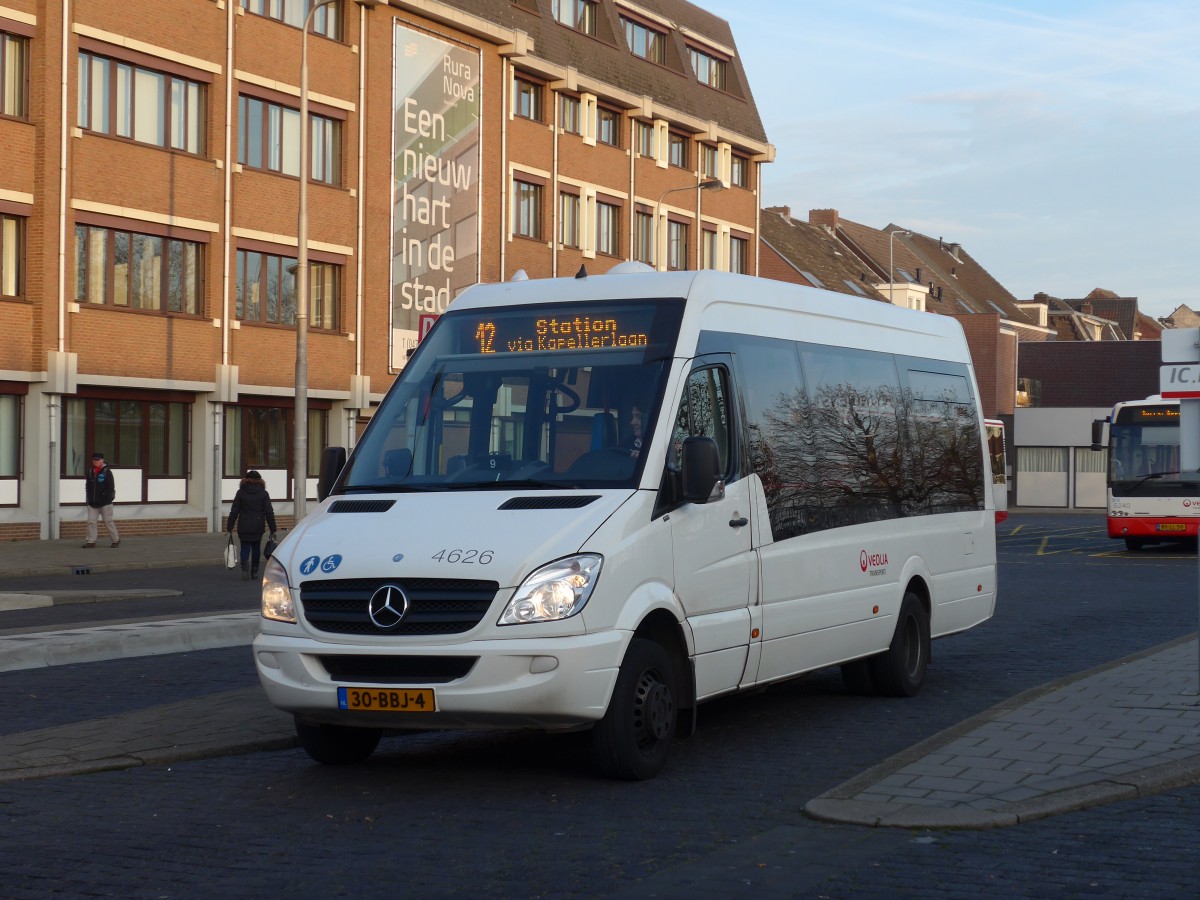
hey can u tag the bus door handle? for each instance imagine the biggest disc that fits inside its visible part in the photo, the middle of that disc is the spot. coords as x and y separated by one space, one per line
738 523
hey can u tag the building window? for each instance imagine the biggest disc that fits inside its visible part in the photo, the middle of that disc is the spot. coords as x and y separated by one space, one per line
529 100
645 138
708 249
151 435
568 219
326 20
260 437
646 42
140 104
677 244
137 271
739 255
710 161
269 139
10 435
739 171
643 237
568 111
266 290
14 75
710 70
527 209
608 229
12 255
677 150
577 14
608 126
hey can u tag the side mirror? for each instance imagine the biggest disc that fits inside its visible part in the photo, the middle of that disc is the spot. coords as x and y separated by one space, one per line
700 469
1097 434
333 460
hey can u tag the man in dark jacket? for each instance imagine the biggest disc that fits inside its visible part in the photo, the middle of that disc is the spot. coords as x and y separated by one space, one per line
251 513
100 491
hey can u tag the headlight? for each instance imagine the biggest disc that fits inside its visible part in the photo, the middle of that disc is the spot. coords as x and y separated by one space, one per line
555 591
277 593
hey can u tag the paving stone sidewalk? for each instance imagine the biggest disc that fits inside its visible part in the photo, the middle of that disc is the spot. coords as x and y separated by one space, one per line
1124 730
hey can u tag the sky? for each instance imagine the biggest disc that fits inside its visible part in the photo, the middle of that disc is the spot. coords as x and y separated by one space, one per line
1058 141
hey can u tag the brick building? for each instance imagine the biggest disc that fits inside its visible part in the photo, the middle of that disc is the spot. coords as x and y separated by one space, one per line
149 243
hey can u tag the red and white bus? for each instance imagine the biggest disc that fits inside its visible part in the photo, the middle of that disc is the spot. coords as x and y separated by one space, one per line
994 431
1149 499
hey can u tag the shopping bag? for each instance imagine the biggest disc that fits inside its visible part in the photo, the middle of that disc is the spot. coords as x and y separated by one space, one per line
231 554
269 549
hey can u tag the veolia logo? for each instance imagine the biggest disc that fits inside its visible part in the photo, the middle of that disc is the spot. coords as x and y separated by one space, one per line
871 560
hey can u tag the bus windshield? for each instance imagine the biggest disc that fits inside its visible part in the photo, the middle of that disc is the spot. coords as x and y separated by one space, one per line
1144 443
523 397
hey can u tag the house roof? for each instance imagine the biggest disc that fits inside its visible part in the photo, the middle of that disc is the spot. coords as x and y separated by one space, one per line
817 255
958 285
607 59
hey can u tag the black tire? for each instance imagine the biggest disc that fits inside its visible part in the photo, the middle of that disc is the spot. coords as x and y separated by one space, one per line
634 737
337 745
856 676
900 670
1134 544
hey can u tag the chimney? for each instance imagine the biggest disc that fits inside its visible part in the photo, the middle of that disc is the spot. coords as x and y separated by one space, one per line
785 211
1087 307
826 217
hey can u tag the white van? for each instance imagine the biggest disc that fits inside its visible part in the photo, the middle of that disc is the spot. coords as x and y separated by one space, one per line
596 502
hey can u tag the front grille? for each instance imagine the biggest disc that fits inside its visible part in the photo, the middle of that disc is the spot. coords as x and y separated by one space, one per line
435 605
397 669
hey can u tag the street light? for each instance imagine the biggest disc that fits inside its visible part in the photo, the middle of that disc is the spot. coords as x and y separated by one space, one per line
712 184
891 267
300 442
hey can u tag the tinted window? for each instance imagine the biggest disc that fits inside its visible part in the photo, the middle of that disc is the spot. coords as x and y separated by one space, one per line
840 437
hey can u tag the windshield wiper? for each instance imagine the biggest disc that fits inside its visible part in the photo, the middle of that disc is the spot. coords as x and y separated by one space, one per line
1146 478
393 488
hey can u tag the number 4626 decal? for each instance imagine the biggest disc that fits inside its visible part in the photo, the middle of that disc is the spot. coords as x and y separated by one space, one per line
466 557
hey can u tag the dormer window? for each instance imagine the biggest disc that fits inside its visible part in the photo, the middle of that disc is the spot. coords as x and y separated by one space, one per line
577 14
644 41
709 69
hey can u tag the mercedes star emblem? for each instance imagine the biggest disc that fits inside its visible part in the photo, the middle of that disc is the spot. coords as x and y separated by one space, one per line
387 606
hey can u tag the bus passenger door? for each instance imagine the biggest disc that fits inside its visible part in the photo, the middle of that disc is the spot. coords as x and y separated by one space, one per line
715 571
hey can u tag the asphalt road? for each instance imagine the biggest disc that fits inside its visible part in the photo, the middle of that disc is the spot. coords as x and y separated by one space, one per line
456 814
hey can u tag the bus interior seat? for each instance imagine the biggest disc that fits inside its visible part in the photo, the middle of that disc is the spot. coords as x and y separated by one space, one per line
604 431
397 462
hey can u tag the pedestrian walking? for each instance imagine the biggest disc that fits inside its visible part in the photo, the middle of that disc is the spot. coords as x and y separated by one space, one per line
100 490
251 513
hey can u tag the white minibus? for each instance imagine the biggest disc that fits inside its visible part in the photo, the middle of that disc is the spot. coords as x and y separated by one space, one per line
596 502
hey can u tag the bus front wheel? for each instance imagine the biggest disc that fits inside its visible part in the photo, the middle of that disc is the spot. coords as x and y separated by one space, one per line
634 737
337 745
1134 544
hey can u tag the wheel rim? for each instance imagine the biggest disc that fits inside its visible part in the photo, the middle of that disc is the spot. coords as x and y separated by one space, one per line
653 710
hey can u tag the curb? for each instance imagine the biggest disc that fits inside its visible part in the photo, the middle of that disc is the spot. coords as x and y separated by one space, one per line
122 640
30 600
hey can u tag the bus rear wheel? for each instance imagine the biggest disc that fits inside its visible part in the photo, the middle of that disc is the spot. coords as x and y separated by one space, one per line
634 737
900 670
1134 544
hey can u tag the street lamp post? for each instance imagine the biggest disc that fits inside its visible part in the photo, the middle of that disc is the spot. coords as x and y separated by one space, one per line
891 267
300 427
712 184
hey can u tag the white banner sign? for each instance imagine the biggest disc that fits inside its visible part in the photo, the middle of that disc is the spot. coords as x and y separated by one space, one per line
435 180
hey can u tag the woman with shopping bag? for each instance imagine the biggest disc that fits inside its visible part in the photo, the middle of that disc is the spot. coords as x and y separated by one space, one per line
251 513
